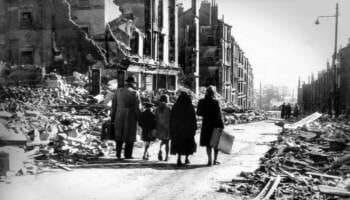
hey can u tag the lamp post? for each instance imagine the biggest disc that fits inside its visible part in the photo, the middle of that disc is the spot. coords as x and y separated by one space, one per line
334 95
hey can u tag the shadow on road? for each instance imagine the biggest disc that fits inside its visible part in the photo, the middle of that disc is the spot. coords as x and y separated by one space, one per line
136 164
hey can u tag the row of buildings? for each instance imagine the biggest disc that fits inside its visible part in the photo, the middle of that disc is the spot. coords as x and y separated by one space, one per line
156 40
330 90
210 53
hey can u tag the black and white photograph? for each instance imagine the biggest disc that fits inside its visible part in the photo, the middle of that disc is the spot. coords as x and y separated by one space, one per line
174 99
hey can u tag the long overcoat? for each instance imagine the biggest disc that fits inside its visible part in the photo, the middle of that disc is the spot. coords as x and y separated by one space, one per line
209 109
163 122
183 125
125 113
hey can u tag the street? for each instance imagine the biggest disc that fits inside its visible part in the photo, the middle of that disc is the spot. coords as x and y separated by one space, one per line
137 179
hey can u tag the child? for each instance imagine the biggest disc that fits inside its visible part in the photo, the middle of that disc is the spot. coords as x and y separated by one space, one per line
147 122
162 126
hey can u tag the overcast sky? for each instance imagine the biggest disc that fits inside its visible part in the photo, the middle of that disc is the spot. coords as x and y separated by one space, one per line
280 37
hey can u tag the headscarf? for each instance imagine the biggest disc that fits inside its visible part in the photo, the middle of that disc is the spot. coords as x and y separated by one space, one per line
210 93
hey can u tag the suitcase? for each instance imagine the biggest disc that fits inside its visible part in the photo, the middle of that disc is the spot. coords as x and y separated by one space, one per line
226 142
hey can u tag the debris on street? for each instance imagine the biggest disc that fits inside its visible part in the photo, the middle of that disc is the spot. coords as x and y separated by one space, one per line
306 162
58 124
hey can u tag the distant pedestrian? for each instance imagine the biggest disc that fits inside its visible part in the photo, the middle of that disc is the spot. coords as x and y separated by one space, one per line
183 125
283 111
147 121
288 111
296 110
163 125
209 109
124 115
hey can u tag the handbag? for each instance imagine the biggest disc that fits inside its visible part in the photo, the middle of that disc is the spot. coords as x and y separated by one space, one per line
215 137
107 131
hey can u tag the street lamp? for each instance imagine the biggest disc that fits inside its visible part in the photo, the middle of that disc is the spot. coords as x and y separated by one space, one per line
317 22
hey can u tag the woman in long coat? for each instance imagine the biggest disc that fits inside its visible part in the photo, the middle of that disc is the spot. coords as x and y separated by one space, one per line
124 116
209 109
162 127
183 125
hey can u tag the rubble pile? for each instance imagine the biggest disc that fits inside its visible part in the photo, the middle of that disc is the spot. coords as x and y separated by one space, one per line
52 123
309 162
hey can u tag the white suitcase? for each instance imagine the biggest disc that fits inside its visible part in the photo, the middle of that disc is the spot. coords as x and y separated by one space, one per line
226 142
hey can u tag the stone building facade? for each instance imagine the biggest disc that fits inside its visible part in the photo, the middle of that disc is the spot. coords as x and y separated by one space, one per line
222 62
146 35
41 32
318 94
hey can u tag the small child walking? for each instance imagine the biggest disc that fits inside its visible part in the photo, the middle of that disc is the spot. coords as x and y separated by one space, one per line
147 122
162 125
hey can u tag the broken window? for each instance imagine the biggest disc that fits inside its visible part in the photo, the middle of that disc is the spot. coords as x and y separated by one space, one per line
86 29
161 48
84 3
160 14
2 23
26 20
134 43
13 51
27 57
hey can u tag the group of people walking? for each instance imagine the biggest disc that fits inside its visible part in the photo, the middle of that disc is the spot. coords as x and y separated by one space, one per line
286 111
174 126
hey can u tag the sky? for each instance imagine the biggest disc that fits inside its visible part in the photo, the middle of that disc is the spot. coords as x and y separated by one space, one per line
280 37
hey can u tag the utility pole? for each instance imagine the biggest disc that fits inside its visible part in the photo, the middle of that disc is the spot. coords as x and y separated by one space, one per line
334 93
260 102
195 10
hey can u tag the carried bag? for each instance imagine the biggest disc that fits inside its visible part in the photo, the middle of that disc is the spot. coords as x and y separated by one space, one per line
215 137
226 142
107 131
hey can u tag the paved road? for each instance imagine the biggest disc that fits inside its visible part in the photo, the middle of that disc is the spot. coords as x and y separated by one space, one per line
137 179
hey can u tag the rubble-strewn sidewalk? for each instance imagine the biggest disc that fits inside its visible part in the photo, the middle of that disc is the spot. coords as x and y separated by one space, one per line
309 162
49 126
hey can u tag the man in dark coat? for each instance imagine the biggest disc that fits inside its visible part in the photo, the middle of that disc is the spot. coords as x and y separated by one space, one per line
283 110
124 115
183 125
209 109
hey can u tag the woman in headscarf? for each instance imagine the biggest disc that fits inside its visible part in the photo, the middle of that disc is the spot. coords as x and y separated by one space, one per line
209 109
183 125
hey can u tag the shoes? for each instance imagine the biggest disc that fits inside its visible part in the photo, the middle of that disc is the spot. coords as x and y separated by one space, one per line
187 161
166 158
216 163
209 163
160 156
179 163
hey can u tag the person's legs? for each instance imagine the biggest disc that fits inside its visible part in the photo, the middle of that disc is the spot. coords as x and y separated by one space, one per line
166 150
187 161
179 160
119 146
160 156
145 153
216 152
209 155
128 149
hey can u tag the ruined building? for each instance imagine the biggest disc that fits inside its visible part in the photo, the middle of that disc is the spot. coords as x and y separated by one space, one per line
51 33
318 93
221 61
145 35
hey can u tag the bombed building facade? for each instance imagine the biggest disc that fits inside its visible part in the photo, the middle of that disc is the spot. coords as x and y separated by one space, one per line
318 94
222 62
51 33
145 34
